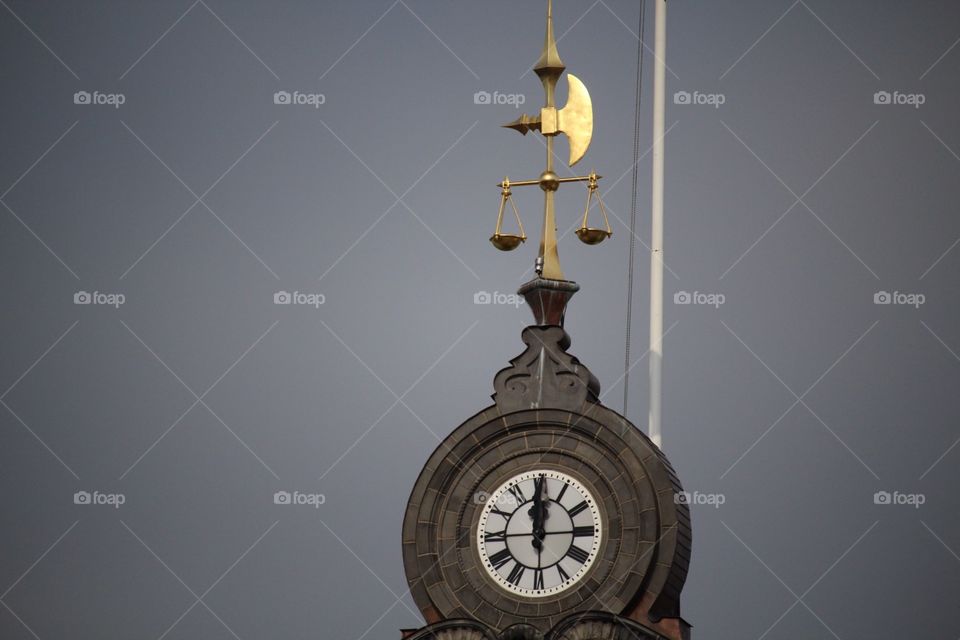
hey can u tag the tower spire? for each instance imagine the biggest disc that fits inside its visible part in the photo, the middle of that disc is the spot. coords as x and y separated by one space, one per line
549 63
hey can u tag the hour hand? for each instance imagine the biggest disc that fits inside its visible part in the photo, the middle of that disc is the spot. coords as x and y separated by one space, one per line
538 513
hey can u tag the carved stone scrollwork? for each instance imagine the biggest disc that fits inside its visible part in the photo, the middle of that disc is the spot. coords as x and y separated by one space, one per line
544 376
592 625
601 626
455 630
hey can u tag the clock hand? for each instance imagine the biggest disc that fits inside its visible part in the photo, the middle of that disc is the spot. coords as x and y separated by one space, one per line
537 513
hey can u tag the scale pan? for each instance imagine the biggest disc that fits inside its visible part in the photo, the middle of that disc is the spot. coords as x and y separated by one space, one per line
507 242
592 236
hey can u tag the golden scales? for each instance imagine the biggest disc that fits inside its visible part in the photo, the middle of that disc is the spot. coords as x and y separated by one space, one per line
576 121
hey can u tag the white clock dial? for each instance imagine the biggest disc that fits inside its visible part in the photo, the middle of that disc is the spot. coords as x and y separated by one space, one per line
539 533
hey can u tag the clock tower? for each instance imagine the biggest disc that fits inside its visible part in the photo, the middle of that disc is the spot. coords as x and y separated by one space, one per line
548 515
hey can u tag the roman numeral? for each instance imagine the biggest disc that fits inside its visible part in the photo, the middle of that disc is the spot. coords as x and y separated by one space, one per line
578 554
577 509
515 574
562 491
500 558
497 536
579 532
502 514
517 493
563 574
538 579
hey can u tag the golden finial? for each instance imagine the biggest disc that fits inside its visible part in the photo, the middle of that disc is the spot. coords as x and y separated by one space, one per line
576 121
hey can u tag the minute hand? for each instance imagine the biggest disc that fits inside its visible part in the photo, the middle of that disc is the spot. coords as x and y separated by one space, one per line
539 513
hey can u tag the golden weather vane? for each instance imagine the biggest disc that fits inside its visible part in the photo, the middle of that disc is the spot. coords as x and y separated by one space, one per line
576 121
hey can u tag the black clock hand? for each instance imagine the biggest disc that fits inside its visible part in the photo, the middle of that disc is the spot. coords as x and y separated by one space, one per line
538 513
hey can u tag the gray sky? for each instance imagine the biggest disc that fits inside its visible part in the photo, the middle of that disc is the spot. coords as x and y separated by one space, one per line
827 176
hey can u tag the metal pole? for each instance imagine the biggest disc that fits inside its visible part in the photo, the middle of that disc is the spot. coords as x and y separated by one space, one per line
656 238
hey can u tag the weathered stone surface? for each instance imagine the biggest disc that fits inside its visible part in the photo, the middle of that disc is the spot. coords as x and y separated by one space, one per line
545 375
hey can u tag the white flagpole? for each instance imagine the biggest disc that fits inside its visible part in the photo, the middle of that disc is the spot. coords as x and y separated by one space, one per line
656 239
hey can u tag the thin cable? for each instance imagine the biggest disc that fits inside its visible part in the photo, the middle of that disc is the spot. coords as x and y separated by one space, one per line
633 206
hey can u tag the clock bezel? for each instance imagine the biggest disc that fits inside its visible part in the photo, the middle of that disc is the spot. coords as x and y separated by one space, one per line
594 506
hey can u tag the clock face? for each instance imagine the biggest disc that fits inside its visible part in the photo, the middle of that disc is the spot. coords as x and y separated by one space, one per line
539 533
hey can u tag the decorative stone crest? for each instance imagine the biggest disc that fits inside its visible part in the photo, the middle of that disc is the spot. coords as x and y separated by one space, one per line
545 375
